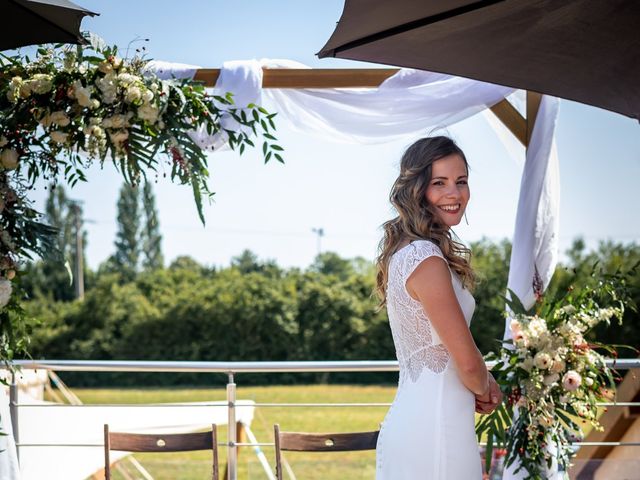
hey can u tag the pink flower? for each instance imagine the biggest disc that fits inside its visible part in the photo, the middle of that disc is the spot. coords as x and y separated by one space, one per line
571 380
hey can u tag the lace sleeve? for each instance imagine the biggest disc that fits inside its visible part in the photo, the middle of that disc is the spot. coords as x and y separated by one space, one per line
418 252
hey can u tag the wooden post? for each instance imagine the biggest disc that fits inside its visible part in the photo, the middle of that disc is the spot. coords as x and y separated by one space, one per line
519 126
511 118
310 78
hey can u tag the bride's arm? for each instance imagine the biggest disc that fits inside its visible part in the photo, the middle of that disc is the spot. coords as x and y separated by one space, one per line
430 283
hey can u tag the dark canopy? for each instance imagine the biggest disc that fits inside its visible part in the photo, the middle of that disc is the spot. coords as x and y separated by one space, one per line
30 22
582 50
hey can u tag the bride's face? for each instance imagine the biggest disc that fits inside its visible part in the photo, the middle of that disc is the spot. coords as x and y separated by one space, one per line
448 189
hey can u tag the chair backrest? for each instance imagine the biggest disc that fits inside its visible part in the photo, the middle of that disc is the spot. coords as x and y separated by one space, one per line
174 442
320 442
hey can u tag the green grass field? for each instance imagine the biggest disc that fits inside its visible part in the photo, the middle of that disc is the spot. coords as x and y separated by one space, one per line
335 466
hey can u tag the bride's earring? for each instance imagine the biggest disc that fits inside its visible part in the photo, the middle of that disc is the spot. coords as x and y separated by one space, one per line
465 218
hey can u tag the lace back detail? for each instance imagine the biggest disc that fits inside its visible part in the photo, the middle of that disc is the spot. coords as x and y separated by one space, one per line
413 336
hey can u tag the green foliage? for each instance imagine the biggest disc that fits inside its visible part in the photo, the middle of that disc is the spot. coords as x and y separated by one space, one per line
491 264
127 242
610 258
151 237
257 311
54 278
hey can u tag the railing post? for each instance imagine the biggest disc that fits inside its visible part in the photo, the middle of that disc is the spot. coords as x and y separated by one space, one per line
13 411
232 449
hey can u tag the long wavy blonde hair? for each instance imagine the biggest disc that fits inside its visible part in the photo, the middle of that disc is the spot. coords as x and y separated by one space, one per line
417 219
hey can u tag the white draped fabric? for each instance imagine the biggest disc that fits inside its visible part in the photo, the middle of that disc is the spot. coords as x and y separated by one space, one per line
409 102
535 241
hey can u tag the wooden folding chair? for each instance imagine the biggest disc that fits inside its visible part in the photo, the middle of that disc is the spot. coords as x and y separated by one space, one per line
320 442
174 442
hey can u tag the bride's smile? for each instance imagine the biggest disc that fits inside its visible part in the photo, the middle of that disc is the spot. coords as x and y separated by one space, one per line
448 189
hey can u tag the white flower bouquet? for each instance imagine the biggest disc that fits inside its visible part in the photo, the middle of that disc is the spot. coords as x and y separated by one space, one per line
70 106
552 377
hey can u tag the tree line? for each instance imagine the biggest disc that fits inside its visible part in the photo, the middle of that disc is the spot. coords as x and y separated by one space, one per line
138 243
254 310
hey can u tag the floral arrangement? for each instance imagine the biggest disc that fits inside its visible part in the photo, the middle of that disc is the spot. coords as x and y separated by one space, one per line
72 106
552 377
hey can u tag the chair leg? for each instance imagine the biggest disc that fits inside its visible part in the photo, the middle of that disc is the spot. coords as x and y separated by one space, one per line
276 438
107 447
214 444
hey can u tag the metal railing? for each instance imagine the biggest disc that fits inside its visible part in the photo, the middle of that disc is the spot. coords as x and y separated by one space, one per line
232 369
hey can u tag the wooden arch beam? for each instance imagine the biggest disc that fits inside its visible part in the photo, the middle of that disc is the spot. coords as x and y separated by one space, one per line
519 126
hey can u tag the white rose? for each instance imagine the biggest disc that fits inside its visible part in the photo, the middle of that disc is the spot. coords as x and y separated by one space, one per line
105 67
94 104
9 158
25 89
59 137
133 94
147 96
148 112
41 83
537 327
588 381
126 79
59 118
118 136
5 292
82 94
571 380
542 360
13 93
107 86
114 121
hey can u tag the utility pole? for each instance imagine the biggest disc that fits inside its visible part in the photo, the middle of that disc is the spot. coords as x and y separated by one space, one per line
78 273
320 233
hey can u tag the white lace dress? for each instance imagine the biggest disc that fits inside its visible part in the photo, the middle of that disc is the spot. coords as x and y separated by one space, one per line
428 432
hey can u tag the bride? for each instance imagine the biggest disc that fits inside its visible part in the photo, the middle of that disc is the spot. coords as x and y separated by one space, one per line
424 278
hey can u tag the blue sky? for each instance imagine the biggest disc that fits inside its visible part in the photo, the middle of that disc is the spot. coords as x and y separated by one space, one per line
272 209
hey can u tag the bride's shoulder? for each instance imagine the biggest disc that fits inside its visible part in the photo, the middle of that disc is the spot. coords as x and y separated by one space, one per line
425 245
417 250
